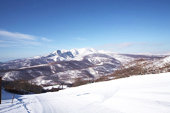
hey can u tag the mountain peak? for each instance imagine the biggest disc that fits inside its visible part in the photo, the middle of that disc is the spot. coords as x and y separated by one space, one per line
85 51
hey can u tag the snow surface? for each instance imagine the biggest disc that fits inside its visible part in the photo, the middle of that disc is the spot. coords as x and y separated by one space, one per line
136 94
55 86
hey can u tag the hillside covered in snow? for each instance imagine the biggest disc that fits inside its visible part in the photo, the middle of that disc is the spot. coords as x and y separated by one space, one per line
67 65
136 94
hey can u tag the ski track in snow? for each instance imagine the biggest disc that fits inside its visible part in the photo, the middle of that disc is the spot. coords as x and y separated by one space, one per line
46 106
137 94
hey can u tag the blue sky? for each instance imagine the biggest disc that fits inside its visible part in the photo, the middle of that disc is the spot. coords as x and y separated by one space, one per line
36 27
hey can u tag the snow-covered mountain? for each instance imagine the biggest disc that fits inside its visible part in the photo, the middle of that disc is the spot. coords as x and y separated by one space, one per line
66 65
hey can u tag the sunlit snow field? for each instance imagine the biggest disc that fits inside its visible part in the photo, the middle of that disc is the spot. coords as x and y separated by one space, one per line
136 94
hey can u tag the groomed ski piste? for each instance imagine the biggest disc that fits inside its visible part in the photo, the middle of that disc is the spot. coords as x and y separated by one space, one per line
136 94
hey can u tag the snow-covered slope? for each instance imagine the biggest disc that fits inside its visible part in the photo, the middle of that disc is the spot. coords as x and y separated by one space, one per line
136 94
162 62
151 66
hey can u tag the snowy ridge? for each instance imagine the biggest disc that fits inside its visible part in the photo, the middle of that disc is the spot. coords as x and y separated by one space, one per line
65 55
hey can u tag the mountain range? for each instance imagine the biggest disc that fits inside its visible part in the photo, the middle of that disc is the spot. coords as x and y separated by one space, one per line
66 65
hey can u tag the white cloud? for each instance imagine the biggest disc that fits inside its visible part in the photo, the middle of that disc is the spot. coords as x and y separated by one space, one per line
2 41
138 47
10 39
17 35
117 45
45 39
121 46
127 44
